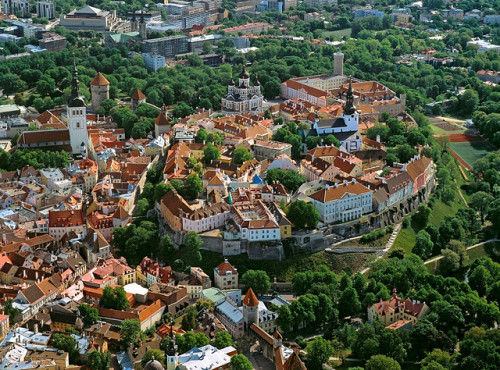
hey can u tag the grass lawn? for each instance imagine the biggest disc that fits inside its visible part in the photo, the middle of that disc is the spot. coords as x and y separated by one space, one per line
338 33
405 240
471 151
439 130
284 270
441 210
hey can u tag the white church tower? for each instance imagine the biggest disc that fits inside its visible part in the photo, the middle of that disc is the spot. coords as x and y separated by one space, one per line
77 117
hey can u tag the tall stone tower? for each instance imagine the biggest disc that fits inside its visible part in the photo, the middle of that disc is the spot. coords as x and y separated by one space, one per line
338 63
77 117
133 23
250 308
142 27
99 89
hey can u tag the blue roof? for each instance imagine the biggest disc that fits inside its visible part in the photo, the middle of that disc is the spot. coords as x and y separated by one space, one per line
231 312
124 361
257 179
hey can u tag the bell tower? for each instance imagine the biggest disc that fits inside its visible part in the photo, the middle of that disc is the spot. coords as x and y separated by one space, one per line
77 116
350 115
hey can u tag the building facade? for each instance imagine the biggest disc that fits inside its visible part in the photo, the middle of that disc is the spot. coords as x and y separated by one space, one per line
242 98
342 202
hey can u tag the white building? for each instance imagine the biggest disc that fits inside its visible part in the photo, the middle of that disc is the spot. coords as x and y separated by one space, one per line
342 202
45 9
253 222
484 46
21 7
206 357
226 276
153 61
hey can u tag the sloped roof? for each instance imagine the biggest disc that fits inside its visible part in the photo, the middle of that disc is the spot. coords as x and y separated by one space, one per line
226 267
89 10
250 299
138 95
161 120
99 80
336 192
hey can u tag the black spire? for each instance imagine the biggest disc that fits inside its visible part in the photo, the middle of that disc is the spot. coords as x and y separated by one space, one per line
133 15
171 347
142 15
75 99
349 107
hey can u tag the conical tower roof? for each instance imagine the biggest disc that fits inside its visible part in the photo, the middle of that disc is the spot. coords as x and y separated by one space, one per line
250 299
99 80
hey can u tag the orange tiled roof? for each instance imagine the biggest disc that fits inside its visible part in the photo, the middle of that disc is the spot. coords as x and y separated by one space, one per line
99 80
250 299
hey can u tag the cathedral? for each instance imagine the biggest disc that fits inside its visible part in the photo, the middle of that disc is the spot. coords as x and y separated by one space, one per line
242 98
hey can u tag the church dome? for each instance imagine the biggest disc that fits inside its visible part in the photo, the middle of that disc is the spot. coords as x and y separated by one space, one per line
76 102
153 365
244 74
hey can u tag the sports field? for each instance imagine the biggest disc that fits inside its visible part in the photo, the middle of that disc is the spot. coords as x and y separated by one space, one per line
470 151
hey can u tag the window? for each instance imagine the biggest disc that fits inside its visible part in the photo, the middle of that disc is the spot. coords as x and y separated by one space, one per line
78 125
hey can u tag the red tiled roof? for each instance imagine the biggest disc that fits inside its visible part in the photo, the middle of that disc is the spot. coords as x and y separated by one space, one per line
44 136
250 299
224 267
99 80
336 192
65 218
138 95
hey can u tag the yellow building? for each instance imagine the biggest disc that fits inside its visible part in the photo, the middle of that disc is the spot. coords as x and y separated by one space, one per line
4 325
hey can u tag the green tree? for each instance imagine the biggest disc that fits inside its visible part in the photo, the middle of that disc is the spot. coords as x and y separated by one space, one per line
98 361
240 362
193 186
289 179
319 351
423 245
258 280
201 136
130 332
90 314
151 354
115 298
381 362
468 102
303 214
439 357
479 279
68 344
10 310
222 340
481 202
421 217
190 340
349 303
241 155
193 241
189 319
210 153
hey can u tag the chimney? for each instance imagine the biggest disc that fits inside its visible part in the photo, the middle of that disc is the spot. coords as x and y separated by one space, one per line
35 328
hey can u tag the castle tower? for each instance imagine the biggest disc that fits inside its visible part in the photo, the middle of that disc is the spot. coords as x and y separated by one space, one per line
137 98
338 63
99 89
77 116
162 125
142 27
250 308
350 115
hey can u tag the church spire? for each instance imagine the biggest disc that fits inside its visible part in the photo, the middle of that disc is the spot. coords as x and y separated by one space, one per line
75 99
349 107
